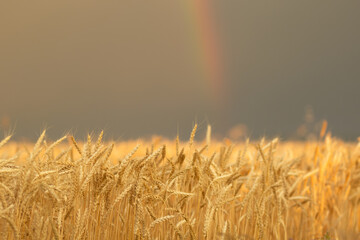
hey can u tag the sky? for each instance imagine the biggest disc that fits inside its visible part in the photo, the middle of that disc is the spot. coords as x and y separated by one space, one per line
138 68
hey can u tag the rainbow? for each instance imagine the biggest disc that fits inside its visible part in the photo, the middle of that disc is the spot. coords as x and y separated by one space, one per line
207 47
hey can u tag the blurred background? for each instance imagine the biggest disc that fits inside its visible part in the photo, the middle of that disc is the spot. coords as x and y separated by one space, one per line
139 68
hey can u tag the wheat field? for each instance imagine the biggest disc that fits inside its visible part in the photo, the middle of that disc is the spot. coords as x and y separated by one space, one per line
164 189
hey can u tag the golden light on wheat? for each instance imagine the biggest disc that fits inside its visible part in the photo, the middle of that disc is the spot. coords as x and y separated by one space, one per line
179 190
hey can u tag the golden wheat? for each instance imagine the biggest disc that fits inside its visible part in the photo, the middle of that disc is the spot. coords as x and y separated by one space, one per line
210 190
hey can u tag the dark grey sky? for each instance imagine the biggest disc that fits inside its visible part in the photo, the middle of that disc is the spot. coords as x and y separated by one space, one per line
129 67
